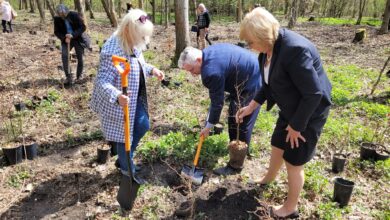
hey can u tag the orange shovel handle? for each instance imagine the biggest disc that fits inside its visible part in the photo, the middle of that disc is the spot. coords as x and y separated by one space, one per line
196 159
124 81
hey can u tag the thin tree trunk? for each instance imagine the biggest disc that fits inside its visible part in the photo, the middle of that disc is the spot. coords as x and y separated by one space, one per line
119 8
88 6
153 2
41 11
315 6
166 13
108 6
32 6
141 4
80 7
354 9
195 10
362 5
324 10
293 14
50 5
161 12
239 11
386 17
181 27
20 4
375 15
286 5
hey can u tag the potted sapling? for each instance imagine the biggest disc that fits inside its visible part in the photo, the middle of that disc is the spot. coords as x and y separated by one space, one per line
339 158
12 149
237 149
382 152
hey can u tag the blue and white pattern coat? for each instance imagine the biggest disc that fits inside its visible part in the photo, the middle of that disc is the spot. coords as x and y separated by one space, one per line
108 87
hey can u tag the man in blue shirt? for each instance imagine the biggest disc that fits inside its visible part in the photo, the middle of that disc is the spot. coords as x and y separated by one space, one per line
226 68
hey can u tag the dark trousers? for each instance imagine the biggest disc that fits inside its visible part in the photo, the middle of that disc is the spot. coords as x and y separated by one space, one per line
245 128
4 24
79 54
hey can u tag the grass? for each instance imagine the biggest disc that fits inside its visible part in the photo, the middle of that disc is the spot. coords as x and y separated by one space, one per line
345 21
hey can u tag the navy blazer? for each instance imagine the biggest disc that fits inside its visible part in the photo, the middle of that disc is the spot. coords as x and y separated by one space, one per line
297 80
223 67
76 22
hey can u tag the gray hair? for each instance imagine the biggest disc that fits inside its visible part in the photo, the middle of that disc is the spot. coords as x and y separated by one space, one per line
189 56
61 8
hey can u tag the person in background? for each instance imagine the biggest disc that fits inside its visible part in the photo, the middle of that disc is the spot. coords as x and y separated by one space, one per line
129 6
131 37
295 80
69 28
226 68
6 15
203 23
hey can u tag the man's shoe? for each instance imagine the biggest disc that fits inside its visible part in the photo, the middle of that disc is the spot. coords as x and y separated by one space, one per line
226 171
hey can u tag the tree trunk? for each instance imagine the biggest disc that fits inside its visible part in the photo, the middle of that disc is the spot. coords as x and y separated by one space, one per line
32 6
153 2
50 5
362 5
108 6
141 4
41 11
20 4
161 12
324 10
181 27
195 10
315 6
80 7
386 19
354 9
293 14
286 5
166 13
119 8
239 11
375 15
302 8
88 6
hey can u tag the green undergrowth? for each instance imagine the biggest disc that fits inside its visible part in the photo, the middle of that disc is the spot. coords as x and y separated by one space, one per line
181 147
345 21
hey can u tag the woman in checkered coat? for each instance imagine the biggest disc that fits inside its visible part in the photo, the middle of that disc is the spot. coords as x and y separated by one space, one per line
107 100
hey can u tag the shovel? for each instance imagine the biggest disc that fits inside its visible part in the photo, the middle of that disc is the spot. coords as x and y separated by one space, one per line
129 186
192 172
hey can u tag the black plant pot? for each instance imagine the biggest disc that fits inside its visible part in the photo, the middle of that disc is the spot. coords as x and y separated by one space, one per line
113 149
20 106
31 151
381 154
13 155
102 155
342 191
165 82
367 151
218 128
338 162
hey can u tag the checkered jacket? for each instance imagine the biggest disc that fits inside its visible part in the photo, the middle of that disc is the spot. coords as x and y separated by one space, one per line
107 87
203 20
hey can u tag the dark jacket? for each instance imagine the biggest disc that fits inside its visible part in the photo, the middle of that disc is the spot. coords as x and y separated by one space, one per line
223 67
76 22
203 20
297 81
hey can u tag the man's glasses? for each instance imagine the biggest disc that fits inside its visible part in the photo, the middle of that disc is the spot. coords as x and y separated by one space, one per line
143 18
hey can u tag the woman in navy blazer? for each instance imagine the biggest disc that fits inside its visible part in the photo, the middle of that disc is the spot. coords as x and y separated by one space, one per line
294 79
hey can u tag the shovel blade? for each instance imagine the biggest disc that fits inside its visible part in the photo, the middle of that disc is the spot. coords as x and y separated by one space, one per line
193 173
127 192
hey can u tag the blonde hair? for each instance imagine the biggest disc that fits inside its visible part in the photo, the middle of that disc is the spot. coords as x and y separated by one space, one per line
260 25
201 7
132 33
